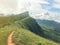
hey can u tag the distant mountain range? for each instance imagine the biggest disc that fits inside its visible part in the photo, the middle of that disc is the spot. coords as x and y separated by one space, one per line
49 22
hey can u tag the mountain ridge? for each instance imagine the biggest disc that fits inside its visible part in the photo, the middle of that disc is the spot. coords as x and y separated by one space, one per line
27 31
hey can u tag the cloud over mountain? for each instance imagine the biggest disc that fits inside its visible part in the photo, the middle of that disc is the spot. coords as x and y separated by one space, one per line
36 8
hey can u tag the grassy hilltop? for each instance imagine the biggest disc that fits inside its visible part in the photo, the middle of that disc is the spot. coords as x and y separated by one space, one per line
27 31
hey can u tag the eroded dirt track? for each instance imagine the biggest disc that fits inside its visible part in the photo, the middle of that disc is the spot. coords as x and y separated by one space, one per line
9 41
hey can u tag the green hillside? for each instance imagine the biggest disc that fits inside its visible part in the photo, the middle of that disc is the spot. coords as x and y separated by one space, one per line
25 37
27 31
50 32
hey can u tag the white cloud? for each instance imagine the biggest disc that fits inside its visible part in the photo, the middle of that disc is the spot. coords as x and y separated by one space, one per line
19 5
33 6
51 16
57 4
57 1
8 6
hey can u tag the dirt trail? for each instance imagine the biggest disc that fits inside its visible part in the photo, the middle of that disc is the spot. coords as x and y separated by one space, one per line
9 41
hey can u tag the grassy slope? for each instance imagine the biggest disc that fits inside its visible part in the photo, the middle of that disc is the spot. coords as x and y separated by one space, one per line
4 32
25 37
50 33
7 25
28 24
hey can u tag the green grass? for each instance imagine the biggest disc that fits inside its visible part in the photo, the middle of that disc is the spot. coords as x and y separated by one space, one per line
4 32
25 37
7 25
26 30
50 33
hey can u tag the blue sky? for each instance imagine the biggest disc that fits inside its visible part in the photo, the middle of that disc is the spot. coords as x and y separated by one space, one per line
50 6
40 8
